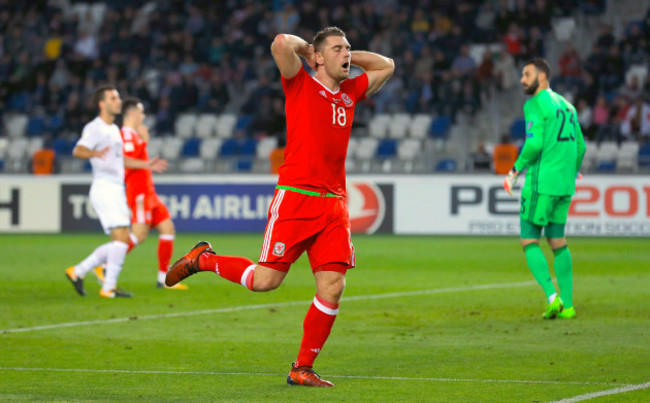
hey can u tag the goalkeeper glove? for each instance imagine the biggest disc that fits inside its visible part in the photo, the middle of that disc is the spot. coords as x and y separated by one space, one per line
510 180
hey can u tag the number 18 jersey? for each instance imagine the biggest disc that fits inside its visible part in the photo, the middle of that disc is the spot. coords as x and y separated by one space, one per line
554 146
319 122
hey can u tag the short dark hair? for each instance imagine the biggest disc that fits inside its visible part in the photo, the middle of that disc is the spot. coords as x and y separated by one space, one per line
99 93
130 103
541 65
323 34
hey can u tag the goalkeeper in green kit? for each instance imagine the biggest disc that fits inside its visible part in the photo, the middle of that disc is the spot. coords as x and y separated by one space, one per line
552 153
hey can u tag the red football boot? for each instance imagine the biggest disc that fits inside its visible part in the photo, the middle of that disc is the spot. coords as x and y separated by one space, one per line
187 265
306 376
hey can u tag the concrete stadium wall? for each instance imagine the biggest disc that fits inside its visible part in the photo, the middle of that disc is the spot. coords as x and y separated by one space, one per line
407 204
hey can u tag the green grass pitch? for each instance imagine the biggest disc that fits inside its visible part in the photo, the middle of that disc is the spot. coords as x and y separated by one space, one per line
448 319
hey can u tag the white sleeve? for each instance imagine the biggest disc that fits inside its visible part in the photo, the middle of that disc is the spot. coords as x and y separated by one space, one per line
87 139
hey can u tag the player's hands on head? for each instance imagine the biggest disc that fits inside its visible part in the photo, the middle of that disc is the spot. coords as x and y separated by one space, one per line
310 56
158 165
510 180
101 154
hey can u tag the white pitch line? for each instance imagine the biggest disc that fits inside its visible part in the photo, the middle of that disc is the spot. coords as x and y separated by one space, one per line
382 378
263 306
615 391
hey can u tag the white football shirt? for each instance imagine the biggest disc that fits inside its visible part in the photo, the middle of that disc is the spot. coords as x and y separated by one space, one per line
98 135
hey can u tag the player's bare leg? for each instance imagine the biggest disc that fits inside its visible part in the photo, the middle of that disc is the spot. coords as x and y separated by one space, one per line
318 325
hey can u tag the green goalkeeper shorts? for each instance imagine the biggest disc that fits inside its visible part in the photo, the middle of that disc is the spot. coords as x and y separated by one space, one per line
540 210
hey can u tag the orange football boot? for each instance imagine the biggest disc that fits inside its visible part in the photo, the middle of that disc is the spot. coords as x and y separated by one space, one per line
187 265
306 376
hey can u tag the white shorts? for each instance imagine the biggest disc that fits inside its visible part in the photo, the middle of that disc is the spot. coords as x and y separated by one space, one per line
109 201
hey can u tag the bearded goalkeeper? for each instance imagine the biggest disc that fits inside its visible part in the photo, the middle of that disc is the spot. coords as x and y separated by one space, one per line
552 153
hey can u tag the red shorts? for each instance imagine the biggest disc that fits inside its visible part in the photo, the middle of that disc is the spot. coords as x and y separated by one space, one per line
147 208
298 223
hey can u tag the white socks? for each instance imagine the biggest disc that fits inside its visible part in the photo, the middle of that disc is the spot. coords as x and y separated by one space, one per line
114 262
96 258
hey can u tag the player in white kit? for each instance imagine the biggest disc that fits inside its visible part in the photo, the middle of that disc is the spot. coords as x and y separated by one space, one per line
101 143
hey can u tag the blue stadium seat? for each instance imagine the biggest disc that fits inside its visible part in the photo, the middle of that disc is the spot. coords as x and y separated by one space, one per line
191 147
63 147
606 166
446 165
35 126
387 148
229 148
518 129
440 127
248 147
54 124
87 166
244 165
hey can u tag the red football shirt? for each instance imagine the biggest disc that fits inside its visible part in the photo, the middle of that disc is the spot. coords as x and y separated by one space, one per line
319 122
137 181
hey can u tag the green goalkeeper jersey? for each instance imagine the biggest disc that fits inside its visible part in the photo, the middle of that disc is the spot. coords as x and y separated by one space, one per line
554 146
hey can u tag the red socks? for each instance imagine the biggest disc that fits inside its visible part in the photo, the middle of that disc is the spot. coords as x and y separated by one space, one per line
165 250
236 269
317 326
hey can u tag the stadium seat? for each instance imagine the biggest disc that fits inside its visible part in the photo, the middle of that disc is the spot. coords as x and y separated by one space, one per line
628 156
446 165
18 102
154 146
185 125
399 125
17 155
408 149
420 125
244 165
206 125
563 28
248 147
4 145
171 149
606 157
518 129
226 125
54 124
63 147
265 146
440 127
387 148
209 149
367 148
35 126
16 125
35 144
590 156
644 155
192 165
229 148
378 126
191 147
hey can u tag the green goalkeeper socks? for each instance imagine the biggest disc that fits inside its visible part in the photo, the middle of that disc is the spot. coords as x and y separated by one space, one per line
564 273
539 267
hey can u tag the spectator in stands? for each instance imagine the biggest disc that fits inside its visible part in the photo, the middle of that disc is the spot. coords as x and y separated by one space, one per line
632 89
585 118
276 157
463 65
504 155
636 125
44 160
600 116
617 114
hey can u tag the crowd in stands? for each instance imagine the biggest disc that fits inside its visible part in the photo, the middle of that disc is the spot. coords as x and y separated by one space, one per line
213 56
611 95
205 56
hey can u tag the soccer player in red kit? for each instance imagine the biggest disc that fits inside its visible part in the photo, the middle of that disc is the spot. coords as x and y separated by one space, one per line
309 211
147 210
